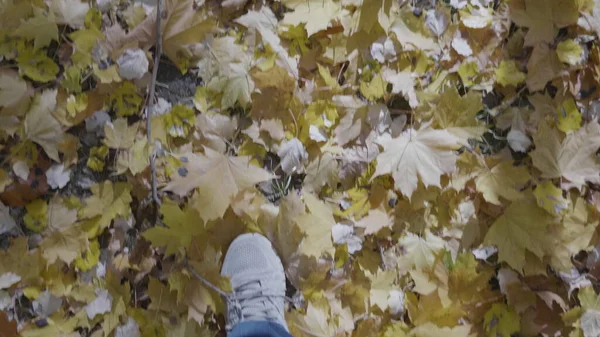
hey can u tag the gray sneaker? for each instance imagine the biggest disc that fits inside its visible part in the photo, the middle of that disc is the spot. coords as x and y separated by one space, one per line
257 279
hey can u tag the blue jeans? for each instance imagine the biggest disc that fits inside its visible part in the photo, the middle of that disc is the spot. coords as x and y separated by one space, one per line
258 329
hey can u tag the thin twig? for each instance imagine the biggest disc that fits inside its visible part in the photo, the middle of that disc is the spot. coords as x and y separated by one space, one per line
150 107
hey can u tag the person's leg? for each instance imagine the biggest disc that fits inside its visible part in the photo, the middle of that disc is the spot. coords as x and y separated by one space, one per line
259 329
256 306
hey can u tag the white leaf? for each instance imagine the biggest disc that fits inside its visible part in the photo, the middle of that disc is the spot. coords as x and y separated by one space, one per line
461 45
21 169
383 49
5 300
437 22
379 118
396 302
8 279
161 107
293 155
518 140
317 134
133 64
12 89
426 154
130 329
484 253
344 234
58 176
590 323
402 82
70 12
575 280
7 223
458 4
100 305
46 304
95 123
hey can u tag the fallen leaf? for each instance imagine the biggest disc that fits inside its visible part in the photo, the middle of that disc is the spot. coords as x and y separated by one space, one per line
424 153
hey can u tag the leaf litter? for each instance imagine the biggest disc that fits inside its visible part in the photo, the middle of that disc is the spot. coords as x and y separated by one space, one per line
423 168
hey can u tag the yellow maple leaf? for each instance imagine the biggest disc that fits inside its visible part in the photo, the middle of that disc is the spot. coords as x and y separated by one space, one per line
314 323
182 225
550 198
135 159
88 258
36 65
40 125
107 202
424 153
375 89
41 28
543 66
543 17
36 218
501 180
315 14
457 114
65 245
375 220
569 117
507 74
125 99
419 251
119 135
569 52
219 178
572 236
432 330
574 158
71 12
501 320
12 90
381 284
520 229
317 226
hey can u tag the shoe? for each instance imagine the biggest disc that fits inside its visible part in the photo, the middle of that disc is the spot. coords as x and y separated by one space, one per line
257 279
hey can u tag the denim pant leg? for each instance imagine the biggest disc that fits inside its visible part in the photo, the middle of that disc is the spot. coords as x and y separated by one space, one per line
258 329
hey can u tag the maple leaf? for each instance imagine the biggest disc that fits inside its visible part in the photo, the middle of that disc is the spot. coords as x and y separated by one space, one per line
40 125
381 285
181 25
426 153
316 225
12 90
574 158
314 323
182 225
119 135
71 12
219 178
432 330
543 66
543 17
315 14
41 28
457 114
65 245
420 252
374 221
521 228
107 202
501 181
502 320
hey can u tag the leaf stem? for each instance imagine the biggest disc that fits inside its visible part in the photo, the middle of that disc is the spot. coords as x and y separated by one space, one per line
150 106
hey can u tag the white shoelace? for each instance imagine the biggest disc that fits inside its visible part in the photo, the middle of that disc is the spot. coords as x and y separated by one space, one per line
247 303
